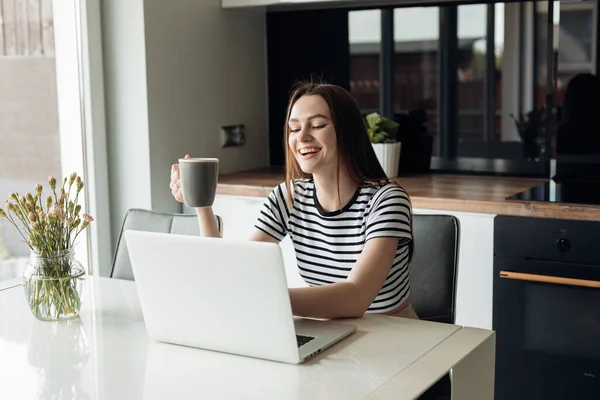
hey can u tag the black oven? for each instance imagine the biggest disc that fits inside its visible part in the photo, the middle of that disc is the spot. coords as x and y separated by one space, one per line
546 309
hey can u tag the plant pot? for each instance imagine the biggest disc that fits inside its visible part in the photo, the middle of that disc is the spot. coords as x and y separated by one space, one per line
52 282
388 155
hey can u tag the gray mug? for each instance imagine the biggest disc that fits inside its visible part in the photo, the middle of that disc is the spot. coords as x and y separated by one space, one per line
199 177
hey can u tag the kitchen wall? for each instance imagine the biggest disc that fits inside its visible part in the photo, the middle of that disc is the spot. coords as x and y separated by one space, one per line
176 72
127 130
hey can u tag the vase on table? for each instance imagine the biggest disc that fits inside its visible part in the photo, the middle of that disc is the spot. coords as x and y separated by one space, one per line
52 282
50 225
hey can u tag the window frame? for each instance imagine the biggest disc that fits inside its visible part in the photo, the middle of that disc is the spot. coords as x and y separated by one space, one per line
81 114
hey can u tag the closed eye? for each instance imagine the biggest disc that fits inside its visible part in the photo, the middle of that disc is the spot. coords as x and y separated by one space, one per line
319 127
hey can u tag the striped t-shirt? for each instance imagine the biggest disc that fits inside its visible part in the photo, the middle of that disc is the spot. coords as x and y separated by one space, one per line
328 244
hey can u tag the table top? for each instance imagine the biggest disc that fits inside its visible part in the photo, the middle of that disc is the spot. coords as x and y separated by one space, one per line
10 283
106 354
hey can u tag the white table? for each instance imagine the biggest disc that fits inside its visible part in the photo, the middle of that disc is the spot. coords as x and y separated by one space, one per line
10 283
105 354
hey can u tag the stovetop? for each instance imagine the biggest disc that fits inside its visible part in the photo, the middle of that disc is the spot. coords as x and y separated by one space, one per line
576 192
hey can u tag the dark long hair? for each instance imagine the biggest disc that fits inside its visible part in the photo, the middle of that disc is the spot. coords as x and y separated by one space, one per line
354 148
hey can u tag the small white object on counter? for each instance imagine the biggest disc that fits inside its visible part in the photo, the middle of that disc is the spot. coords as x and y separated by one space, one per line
388 155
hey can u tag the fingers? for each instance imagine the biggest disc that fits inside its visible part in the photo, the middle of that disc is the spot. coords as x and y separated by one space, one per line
175 184
176 190
174 169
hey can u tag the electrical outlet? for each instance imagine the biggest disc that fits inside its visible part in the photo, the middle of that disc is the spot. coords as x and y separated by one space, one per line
233 135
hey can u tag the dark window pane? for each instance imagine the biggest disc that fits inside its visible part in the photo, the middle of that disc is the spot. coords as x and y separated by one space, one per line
416 61
471 76
364 31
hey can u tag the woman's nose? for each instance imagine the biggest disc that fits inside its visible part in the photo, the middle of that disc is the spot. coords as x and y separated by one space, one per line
304 135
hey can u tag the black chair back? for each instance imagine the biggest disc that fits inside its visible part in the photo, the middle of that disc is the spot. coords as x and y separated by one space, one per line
433 269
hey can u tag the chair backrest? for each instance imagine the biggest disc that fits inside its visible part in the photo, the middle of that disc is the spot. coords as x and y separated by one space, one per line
151 221
433 269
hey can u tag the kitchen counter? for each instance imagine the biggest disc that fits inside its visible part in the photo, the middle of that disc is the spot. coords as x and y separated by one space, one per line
465 193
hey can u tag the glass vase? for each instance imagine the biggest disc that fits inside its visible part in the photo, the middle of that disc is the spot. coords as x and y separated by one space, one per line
52 282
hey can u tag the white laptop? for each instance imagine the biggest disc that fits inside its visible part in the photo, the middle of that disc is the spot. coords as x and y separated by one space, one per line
223 295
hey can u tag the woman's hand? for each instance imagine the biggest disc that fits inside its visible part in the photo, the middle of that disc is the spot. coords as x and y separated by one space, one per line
175 184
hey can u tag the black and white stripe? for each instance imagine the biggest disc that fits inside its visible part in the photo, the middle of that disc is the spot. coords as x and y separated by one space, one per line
328 244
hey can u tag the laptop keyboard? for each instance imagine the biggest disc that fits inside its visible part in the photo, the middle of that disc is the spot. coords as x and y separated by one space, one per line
302 340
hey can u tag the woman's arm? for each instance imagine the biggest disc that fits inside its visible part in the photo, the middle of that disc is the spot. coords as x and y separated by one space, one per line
207 222
260 236
271 223
352 298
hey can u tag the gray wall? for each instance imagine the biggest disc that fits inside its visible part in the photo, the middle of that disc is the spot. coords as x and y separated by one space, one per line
206 68
127 131
175 72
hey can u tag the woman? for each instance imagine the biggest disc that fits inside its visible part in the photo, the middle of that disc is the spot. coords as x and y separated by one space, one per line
350 225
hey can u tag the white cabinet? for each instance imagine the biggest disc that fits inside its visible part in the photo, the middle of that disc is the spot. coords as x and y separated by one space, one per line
475 262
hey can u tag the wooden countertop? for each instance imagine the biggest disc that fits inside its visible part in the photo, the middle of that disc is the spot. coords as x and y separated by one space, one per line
466 193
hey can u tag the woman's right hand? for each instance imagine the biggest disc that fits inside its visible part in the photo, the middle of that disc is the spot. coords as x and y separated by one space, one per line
175 184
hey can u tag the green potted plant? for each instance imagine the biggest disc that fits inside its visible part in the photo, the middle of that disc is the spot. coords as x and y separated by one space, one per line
382 135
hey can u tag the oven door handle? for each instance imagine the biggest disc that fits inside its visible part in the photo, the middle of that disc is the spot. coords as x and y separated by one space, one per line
549 279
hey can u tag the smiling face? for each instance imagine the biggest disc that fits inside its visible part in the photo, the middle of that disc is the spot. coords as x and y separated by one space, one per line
311 135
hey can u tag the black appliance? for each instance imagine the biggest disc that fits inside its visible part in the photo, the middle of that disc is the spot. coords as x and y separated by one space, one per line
567 191
546 309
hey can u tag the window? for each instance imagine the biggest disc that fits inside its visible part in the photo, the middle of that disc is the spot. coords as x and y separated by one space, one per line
467 73
575 43
416 65
480 85
364 31
471 71
46 82
29 130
